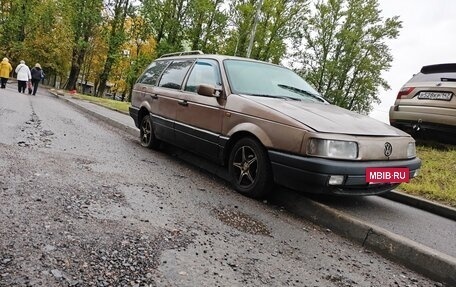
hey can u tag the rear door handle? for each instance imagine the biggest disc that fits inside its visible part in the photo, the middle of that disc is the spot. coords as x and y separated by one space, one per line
154 97
183 103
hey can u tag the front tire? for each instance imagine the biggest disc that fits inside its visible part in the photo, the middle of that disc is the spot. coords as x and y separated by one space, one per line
250 169
147 136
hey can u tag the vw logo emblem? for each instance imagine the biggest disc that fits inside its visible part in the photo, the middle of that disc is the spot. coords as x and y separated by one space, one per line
388 149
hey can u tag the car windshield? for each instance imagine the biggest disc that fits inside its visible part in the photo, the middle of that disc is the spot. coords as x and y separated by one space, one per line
267 80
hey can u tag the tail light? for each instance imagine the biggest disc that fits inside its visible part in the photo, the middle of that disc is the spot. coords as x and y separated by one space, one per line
404 92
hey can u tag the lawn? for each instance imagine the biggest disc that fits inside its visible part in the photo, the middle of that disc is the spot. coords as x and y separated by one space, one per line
109 103
437 179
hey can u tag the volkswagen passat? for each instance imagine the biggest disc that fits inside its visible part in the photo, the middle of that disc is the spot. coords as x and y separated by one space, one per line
266 125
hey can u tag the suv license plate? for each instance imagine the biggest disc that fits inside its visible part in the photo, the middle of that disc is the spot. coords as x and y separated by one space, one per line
435 96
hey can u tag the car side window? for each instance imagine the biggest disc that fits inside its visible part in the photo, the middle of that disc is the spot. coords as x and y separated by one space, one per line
152 72
174 75
203 72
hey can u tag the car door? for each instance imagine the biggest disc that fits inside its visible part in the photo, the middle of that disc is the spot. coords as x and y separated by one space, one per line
168 95
199 118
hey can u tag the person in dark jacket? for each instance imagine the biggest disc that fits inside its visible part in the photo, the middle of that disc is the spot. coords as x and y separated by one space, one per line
37 76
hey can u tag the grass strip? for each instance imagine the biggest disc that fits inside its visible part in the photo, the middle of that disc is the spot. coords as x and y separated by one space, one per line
109 103
437 179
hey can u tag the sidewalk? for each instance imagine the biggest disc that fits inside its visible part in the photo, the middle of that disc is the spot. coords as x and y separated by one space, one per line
428 261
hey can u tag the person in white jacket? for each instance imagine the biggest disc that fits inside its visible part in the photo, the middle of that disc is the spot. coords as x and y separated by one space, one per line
23 76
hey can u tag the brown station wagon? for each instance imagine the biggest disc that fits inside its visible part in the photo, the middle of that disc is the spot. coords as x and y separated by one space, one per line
265 124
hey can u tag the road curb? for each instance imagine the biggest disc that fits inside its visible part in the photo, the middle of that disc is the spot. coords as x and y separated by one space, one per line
416 256
436 208
420 258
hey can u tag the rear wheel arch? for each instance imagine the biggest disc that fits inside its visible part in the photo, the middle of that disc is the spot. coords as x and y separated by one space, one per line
143 111
146 130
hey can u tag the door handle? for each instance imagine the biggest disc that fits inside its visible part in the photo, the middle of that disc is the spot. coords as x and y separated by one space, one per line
154 97
183 103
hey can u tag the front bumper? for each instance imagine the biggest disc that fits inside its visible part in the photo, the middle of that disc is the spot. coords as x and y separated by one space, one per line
312 174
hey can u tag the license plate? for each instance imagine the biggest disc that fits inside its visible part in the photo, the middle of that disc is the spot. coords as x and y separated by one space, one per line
443 96
376 175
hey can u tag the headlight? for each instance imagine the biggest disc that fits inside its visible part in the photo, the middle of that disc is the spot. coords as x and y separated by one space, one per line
333 149
411 150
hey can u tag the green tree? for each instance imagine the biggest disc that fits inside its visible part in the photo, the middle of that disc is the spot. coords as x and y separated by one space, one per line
241 22
343 52
167 19
116 37
206 25
83 17
15 16
277 21
35 31
138 52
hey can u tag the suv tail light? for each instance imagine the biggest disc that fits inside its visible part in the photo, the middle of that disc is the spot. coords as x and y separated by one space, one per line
404 91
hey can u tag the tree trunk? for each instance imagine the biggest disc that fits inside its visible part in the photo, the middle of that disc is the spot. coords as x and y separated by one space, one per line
114 43
76 63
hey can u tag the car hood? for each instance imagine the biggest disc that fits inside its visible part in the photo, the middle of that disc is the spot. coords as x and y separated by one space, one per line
328 118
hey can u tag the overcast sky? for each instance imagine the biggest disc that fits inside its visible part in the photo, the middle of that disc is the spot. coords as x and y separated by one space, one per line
427 37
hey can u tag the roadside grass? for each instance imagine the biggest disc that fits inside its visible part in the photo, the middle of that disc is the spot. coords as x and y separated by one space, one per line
109 103
437 178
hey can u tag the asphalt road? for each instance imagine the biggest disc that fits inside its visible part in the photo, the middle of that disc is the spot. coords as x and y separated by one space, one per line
83 204
431 234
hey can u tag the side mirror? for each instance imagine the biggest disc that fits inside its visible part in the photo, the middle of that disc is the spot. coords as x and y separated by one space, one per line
207 90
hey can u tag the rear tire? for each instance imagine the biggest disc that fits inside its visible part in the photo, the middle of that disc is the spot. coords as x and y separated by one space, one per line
146 131
250 169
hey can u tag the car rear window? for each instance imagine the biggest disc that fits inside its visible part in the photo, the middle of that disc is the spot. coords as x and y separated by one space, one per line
434 77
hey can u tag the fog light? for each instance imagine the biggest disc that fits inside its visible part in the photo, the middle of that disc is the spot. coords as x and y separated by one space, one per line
336 180
416 173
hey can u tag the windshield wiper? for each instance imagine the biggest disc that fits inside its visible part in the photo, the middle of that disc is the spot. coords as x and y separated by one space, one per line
274 97
302 92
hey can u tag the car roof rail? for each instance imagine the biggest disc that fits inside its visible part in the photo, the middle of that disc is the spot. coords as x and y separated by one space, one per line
194 52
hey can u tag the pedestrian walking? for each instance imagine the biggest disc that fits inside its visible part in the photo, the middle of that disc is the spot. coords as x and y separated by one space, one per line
5 71
37 76
23 76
